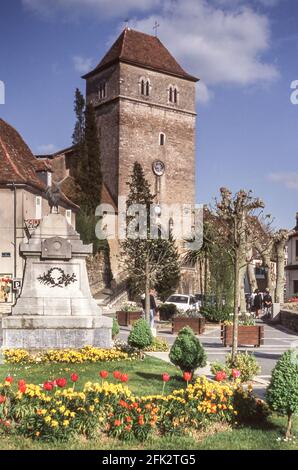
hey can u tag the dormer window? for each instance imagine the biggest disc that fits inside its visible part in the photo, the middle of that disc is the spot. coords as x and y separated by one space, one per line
173 94
145 87
102 91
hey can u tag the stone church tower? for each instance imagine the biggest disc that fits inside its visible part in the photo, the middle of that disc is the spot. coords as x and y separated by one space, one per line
145 110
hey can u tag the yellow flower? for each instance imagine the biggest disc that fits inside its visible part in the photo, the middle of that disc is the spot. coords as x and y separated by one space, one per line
66 422
54 424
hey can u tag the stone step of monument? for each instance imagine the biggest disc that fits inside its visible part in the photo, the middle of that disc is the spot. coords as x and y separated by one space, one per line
5 309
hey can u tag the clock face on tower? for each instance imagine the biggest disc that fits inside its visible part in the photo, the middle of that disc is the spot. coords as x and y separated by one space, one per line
158 168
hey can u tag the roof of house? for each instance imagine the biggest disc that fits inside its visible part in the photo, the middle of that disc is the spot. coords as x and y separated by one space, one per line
18 164
142 50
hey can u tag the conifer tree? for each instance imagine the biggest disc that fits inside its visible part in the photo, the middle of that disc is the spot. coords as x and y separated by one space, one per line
149 262
93 170
87 169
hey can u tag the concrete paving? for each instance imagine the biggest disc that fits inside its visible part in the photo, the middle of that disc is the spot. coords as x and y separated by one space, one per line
277 340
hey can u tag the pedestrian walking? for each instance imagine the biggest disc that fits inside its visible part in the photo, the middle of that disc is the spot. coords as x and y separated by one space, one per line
268 304
258 303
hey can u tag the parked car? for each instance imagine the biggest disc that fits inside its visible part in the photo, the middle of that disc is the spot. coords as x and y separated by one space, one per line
207 299
183 302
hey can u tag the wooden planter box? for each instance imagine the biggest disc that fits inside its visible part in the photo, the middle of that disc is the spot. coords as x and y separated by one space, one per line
128 318
196 324
247 335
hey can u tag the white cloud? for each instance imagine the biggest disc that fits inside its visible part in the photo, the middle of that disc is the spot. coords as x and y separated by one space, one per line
220 46
220 41
46 148
82 64
74 9
288 179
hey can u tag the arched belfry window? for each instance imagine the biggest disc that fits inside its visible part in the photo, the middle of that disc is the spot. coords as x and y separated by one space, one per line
145 86
102 90
173 94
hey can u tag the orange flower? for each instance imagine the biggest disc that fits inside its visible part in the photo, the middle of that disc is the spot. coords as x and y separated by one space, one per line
117 422
128 419
128 427
123 403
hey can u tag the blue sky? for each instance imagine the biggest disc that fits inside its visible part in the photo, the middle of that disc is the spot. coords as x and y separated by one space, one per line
245 53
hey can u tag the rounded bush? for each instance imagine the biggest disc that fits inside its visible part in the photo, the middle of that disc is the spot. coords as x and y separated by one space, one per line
282 393
187 353
140 336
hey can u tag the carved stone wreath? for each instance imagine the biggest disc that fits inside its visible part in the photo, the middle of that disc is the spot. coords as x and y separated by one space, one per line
56 277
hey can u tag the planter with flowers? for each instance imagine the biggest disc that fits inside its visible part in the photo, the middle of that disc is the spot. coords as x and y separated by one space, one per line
129 314
190 318
249 334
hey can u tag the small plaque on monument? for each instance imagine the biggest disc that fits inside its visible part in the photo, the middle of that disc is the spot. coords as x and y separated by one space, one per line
56 248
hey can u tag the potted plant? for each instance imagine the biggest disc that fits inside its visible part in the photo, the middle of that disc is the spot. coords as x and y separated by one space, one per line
249 334
190 318
129 314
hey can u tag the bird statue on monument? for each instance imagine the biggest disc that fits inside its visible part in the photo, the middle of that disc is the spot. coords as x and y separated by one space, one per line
53 195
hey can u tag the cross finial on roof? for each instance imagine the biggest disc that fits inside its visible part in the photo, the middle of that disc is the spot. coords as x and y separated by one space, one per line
155 27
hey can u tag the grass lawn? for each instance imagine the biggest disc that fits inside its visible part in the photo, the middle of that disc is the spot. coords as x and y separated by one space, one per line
145 378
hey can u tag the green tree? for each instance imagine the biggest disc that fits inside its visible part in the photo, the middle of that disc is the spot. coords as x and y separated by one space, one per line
140 336
93 170
149 262
87 170
187 353
282 393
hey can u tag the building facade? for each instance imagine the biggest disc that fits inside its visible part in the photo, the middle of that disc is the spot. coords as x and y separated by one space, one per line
292 264
23 183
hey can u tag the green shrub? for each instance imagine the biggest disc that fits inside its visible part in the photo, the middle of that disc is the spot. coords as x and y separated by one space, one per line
218 367
214 314
246 364
158 345
188 314
115 328
187 351
140 336
166 311
282 393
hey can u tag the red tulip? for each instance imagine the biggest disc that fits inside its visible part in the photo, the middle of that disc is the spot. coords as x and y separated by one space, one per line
117 374
21 383
187 376
124 378
2 399
61 382
165 377
220 375
74 377
9 379
23 388
103 374
236 373
48 386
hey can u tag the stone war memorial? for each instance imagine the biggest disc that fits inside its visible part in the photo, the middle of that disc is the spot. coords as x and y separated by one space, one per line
56 308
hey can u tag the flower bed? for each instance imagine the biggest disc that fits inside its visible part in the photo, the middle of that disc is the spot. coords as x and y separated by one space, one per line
72 356
53 412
